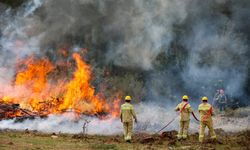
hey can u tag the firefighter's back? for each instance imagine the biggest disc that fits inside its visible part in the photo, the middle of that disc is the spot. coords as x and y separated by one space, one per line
126 112
205 110
185 113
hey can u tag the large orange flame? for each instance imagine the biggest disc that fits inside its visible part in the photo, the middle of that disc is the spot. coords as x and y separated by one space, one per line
33 90
80 94
35 76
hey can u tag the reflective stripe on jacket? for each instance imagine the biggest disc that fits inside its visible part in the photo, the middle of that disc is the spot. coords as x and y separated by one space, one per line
204 110
127 112
185 114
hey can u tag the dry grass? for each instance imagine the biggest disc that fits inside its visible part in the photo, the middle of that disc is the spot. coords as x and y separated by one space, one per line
14 140
21 140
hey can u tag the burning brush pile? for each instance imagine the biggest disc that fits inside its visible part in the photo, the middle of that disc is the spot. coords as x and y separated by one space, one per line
38 92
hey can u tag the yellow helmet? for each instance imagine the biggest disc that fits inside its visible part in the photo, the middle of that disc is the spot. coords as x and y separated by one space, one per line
204 98
128 98
185 97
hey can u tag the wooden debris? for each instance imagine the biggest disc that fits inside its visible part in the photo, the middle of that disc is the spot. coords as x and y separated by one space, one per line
169 134
147 140
10 111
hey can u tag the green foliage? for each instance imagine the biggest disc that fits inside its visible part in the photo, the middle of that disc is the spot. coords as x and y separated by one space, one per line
130 85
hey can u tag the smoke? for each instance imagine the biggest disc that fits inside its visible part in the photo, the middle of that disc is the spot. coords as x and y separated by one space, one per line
210 52
132 33
216 53
216 58
148 27
15 40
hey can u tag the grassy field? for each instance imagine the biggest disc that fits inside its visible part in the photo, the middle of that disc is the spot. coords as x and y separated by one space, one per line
10 140
31 140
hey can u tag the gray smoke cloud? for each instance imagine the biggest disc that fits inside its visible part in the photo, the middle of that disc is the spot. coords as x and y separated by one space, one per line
216 52
216 57
148 27
132 32
15 41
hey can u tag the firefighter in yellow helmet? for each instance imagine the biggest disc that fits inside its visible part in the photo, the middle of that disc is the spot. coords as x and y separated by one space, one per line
127 114
185 110
206 112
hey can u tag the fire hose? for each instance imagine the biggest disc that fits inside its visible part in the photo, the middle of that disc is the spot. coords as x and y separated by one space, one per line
195 117
166 125
172 121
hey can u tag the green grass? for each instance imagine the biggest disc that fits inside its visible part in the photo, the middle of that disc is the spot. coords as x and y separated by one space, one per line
15 140
32 141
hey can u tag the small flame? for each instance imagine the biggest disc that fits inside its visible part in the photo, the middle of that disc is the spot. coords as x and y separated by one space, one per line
116 108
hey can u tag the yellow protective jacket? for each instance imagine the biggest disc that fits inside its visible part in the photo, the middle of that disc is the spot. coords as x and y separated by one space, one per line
185 114
127 112
206 111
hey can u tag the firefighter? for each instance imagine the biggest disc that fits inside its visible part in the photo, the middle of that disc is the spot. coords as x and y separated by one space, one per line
206 112
215 99
127 115
185 110
222 100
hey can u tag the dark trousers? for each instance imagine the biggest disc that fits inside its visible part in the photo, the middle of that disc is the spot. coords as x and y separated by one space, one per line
222 106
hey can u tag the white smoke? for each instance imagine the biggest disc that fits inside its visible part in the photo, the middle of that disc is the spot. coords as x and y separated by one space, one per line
17 40
148 27
215 56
